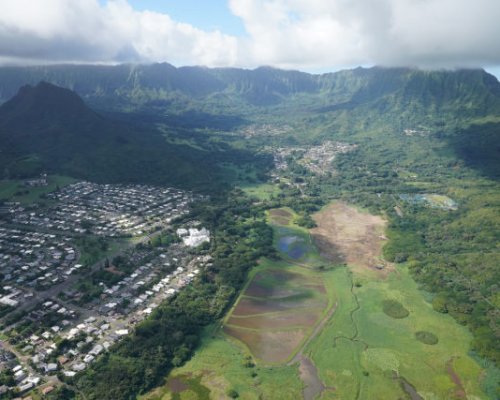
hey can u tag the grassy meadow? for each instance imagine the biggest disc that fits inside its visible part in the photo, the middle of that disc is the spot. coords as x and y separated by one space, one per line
363 351
384 340
15 190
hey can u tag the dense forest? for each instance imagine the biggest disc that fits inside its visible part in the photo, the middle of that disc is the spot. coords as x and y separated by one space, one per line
48 129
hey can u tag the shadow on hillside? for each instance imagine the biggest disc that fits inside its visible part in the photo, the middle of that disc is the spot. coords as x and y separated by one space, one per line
192 119
479 147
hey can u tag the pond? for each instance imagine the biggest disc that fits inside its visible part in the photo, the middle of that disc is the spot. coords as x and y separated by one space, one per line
293 246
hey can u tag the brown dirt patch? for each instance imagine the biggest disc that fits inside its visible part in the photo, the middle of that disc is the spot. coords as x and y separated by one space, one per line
305 318
113 270
176 385
251 306
269 346
280 216
309 375
279 284
459 387
257 290
347 235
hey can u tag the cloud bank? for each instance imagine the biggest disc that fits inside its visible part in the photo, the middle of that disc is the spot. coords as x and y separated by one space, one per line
85 31
302 34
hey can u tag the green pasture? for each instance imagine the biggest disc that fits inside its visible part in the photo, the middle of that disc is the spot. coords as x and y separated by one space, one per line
223 365
261 191
15 190
362 356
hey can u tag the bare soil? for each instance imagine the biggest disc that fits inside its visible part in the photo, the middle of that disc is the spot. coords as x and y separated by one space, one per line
252 306
347 235
269 346
275 313
280 216
305 318
309 375
176 385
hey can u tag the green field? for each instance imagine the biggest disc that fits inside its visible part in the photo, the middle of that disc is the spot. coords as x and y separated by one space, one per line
262 191
371 349
222 365
15 190
384 340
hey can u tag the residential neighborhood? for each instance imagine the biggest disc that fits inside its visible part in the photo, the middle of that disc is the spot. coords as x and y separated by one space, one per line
58 314
317 159
106 210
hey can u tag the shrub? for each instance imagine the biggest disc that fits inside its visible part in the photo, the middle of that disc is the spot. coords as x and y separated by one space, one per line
426 337
395 309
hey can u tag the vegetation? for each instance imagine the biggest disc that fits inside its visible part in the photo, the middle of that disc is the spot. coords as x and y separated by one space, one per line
426 337
411 139
220 364
49 129
168 338
369 345
394 309
16 190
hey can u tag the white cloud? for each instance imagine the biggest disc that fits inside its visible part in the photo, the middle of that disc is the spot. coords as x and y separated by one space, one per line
303 34
319 33
85 31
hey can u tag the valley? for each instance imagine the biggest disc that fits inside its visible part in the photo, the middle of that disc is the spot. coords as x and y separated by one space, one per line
346 234
356 349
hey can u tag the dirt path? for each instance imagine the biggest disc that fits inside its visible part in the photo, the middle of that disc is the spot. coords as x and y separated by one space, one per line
460 390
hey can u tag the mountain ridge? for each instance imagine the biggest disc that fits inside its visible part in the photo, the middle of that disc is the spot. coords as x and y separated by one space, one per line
261 86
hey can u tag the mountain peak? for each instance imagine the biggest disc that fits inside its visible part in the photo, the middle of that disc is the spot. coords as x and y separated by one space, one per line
45 102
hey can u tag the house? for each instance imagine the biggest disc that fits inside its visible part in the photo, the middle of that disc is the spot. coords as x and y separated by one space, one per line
88 358
96 350
19 375
47 390
26 387
79 367
51 367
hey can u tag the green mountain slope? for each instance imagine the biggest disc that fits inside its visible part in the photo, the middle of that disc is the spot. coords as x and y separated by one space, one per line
50 129
140 84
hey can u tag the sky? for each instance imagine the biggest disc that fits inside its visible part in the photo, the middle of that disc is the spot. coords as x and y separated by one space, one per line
308 35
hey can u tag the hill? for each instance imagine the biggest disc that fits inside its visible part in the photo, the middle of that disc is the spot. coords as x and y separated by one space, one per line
45 128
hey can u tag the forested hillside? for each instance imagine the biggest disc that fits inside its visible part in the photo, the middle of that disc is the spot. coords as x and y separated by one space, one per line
162 84
50 129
